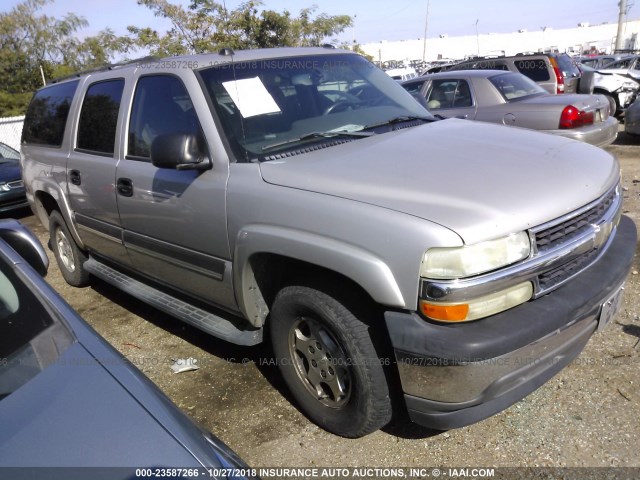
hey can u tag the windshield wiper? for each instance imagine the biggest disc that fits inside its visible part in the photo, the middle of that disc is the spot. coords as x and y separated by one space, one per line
401 119
310 135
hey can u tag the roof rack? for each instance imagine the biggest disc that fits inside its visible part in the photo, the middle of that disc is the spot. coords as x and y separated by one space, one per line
104 68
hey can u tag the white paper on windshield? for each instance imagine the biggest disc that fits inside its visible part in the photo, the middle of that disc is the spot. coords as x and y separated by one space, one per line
251 97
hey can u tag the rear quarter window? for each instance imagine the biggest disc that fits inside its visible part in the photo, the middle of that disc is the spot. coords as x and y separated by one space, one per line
536 69
47 115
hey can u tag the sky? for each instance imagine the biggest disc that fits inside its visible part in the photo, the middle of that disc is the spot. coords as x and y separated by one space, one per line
375 20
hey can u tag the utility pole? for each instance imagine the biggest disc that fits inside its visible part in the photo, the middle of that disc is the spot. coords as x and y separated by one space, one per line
477 37
424 40
621 20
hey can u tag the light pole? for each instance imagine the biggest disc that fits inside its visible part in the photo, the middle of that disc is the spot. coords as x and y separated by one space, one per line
477 37
424 40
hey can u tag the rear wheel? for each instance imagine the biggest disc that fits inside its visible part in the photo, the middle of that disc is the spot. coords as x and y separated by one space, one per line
329 363
69 257
613 104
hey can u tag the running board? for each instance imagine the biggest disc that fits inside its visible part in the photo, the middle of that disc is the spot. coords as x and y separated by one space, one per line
202 319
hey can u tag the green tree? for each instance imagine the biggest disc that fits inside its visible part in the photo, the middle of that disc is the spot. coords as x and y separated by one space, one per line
33 45
206 26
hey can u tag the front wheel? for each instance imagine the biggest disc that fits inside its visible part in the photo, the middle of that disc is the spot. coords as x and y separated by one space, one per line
329 363
69 257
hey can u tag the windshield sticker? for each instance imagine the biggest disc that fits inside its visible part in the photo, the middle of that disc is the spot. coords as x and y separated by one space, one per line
251 97
347 128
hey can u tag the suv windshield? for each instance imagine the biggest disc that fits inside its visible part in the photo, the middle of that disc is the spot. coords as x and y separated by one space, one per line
515 86
270 105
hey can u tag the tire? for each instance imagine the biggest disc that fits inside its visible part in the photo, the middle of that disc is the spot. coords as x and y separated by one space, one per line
586 83
69 257
613 105
329 362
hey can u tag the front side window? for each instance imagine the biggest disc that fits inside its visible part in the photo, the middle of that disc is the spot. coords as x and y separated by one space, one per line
270 105
47 115
513 86
161 105
450 93
99 117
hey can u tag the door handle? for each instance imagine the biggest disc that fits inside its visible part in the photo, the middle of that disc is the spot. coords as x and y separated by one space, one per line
125 187
74 177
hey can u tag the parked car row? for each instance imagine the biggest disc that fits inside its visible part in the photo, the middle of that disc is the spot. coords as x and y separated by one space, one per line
558 73
512 99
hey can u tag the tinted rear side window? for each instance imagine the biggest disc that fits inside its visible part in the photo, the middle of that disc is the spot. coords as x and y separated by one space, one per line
536 70
47 115
99 116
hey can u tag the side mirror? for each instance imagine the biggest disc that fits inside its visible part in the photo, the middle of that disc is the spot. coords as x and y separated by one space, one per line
180 151
26 244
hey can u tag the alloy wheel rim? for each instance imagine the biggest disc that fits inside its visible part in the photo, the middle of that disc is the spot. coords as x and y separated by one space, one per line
320 362
64 251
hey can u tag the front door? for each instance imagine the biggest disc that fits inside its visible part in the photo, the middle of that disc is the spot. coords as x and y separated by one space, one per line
174 220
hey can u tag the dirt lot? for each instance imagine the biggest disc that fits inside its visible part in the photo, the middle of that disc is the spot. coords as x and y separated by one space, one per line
588 415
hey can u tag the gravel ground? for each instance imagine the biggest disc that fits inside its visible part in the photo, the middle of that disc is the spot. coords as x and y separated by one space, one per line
588 415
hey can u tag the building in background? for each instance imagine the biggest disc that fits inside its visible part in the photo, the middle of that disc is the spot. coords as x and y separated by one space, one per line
575 41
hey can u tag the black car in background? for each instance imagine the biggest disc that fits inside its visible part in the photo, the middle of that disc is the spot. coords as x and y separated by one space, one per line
69 399
12 192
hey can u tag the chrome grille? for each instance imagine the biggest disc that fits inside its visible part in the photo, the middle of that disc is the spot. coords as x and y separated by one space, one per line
592 220
563 232
553 277
15 184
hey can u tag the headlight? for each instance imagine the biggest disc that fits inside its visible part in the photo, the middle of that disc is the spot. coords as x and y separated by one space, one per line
460 262
479 307
631 85
4 187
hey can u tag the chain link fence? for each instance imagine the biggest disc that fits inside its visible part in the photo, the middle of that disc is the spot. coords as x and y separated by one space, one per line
11 130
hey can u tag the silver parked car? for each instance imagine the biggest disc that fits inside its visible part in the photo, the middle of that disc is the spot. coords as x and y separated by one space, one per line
512 99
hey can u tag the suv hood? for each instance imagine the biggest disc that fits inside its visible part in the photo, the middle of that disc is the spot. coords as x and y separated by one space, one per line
480 180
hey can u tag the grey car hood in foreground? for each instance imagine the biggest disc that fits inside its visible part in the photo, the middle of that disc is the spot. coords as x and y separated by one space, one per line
75 413
478 179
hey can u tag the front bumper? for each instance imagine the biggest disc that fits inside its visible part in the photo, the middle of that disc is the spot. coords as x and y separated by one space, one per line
13 200
456 374
599 134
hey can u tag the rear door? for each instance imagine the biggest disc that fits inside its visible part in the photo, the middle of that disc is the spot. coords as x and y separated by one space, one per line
91 166
450 97
174 221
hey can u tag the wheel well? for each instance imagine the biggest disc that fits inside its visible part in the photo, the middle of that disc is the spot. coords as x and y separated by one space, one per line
272 272
45 204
